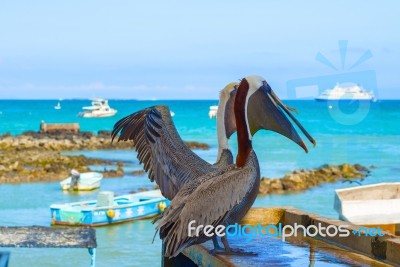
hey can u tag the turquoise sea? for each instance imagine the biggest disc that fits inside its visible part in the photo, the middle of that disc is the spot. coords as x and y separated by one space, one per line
365 133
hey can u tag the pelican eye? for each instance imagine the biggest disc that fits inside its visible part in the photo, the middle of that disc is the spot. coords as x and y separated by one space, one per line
266 87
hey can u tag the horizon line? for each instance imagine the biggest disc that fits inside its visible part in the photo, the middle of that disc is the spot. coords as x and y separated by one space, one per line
145 99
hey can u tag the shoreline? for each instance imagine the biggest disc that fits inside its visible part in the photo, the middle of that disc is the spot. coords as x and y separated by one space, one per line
302 180
71 141
37 157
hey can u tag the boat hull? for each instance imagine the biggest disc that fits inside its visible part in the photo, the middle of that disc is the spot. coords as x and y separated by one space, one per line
88 181
343 99
346 93
82 187
213 112
125 209
96 115
377 204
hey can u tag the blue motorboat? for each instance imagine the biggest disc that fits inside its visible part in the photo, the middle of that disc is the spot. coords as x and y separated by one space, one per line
108 209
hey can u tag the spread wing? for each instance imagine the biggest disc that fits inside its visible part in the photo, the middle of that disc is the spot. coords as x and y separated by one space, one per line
209 204
166 158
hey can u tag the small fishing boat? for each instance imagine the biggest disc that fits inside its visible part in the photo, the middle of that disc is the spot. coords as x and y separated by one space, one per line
108 209
98 109
86 181
212 113
376 204
58 106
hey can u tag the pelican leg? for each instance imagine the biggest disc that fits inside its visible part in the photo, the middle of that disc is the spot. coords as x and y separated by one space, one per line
217 248
229 251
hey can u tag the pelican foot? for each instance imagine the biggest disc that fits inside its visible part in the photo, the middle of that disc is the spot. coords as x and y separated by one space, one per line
234 252
216 251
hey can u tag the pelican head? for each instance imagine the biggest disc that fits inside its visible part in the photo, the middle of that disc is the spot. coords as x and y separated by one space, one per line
225 111
226 122
264 110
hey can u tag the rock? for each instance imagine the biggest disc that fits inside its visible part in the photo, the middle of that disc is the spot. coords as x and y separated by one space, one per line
137 172
120 164
60 140
361 168
114 173
15 166
39 165
104 133
300 180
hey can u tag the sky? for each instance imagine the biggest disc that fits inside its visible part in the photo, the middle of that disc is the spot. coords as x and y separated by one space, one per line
128 49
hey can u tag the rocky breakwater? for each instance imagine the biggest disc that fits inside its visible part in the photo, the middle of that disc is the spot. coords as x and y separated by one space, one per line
69 141
33 156
61 141
301 180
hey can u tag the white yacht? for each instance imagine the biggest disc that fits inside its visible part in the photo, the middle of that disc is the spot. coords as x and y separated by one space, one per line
339 92
99 108
213 112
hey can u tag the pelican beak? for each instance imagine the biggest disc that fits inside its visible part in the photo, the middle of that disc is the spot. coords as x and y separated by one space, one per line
266 111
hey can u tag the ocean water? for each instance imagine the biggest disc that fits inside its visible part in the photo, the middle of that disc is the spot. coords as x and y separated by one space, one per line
353 132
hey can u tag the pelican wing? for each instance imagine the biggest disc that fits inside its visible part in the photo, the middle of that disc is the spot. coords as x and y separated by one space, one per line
209 204
166 158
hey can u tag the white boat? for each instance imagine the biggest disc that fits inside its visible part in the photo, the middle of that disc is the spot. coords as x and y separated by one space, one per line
99 108
213 112
340 92
58 106
87 181
172 113
376 204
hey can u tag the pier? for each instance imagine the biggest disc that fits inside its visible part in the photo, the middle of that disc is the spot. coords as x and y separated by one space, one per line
362 247
59 127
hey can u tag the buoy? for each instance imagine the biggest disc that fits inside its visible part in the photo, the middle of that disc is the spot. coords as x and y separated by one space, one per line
162 206
110 213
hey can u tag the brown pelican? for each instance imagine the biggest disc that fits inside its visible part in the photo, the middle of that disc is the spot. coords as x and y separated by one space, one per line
224 197
166 158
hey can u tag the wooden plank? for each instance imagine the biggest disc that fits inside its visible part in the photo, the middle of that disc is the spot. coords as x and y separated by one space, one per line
43 237
350 250
273 215
270 251
390 228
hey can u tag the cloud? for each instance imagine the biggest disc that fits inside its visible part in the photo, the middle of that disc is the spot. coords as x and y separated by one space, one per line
94 85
